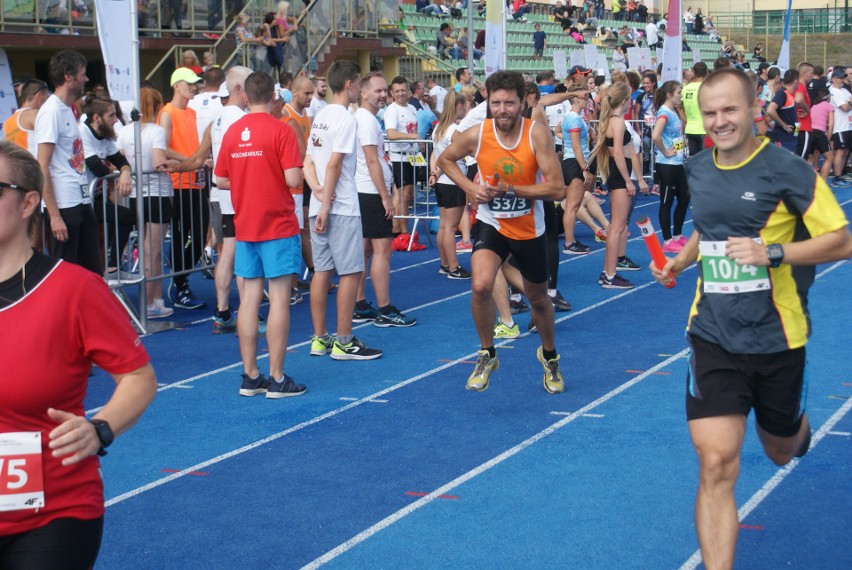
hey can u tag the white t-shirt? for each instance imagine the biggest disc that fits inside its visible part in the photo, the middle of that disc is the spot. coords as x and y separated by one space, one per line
403 119
56 124
93 146
438 95
334 130
651 33
206 106
370 134
440 146
842 119
474 117
315 106
153 136
226 117
555 116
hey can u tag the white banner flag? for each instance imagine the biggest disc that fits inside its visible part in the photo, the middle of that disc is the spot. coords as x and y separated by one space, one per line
673 46
495 37
116 36
591 51
560 64
578 57
8 102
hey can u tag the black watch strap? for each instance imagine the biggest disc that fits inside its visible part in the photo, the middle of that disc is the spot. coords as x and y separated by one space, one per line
104 433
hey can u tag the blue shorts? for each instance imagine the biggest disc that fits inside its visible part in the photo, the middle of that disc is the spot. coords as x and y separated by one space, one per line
270 259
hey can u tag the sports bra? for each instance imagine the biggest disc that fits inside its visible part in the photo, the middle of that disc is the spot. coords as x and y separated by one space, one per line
627 138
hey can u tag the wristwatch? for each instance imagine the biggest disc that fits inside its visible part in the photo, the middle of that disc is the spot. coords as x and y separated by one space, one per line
104 433
775 253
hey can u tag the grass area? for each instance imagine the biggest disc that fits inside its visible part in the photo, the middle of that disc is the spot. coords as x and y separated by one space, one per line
822 49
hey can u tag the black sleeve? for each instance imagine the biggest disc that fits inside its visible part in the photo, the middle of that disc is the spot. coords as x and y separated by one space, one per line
96 165
118 160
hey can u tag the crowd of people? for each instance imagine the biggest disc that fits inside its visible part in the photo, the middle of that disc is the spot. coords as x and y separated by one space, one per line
275 176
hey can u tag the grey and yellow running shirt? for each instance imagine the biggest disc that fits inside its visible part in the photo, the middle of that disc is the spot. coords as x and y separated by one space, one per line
776 198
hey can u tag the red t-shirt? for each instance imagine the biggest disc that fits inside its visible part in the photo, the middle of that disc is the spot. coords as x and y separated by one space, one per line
804 117
48 341
254 154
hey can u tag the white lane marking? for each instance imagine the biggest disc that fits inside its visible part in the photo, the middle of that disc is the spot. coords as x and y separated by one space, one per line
840 433
776 479
340 410
593 415
422 502
374 401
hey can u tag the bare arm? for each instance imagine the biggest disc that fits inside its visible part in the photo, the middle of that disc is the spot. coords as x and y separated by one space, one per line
772 111
293 177
57 225
578 149
831 246
374 167
396 135
657 136
463 144
75 437
195 161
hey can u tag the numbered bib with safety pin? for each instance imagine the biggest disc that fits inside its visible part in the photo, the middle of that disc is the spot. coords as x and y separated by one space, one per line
678 146
721 274
21 480
509 206
84 190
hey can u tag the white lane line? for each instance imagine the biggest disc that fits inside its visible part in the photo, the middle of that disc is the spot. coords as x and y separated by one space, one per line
374 401
422 502
840 433
776 479
560 413
593 415
332 413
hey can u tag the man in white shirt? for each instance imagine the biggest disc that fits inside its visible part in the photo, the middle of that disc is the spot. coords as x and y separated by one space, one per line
318 101
207 103
401 125
436 92
652 34
841 101
373 179
72 226
336 235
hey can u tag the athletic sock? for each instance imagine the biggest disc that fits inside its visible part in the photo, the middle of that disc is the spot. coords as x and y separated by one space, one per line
491 352
386 310
608 276
362 304
344 339
224 315
510 324
548 354
621 258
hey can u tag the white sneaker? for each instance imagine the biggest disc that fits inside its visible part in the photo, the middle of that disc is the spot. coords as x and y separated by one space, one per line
116 277
158 310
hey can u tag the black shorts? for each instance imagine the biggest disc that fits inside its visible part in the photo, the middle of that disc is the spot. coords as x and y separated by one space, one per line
842 140
158 209
228 230
571 170
403 173
306 193
695 144
61 543
805 144
615 181
821 142
530 255
374 223
450 196
721 383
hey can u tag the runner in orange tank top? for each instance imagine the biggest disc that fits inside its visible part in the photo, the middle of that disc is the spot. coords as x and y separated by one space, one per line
510 151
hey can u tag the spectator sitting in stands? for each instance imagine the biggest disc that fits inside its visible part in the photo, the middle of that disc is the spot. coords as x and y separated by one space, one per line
606 35
758 52
728 50
479 42
463 42
619 60
519 9
741 62
426 7
446 43
575 33
625 38
561 15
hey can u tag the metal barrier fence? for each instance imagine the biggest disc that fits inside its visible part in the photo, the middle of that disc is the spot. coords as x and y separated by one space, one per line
160 237
410 163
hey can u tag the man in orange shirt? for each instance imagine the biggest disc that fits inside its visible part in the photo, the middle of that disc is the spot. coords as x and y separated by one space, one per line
20 127
191 204
510 152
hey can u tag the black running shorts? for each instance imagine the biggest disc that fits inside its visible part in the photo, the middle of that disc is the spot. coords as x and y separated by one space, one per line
228 230
571 170
530 255
450 196
842 140
374 223
821 142
721 383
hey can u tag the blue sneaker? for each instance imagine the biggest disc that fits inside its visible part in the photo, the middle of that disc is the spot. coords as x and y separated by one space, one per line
286 388
222 326
394 318
184 298
840 182
364 312
261 326
254 386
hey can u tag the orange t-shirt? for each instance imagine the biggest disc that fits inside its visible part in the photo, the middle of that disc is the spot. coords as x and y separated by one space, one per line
516 218
304 122
184 139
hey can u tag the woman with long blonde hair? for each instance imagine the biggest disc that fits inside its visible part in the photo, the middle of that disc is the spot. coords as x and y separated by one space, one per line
451 199
612 155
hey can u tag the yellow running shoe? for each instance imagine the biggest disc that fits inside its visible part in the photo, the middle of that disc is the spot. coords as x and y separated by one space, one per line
502 330
485 365
553 381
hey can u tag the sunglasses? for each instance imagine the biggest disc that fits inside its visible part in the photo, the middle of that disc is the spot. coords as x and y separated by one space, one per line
6 185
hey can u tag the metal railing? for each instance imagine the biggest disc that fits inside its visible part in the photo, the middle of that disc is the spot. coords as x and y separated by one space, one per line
412 169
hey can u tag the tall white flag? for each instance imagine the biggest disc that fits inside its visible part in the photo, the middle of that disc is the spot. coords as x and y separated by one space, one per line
784 56
117 42
673 45
495 37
